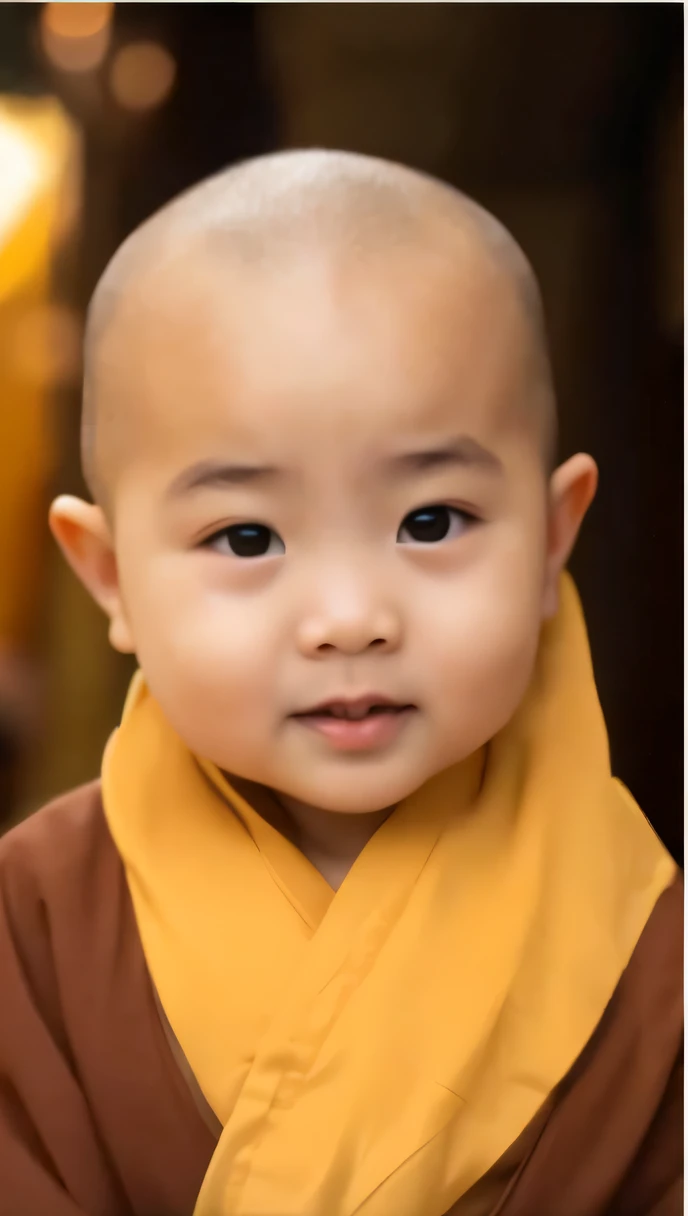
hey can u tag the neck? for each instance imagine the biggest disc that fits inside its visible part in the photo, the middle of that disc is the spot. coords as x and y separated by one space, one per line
331 840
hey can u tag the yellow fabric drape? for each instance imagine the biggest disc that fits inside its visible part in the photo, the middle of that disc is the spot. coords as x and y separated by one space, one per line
378 1049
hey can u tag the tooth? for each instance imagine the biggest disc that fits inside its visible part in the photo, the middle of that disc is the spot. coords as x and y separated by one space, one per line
353 713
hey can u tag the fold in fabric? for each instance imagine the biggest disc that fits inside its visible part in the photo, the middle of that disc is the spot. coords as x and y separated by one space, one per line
379 1048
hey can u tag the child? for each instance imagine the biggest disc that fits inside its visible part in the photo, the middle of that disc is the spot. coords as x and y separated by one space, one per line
357 919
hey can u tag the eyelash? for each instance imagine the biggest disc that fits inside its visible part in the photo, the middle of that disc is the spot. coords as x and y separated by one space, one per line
254 530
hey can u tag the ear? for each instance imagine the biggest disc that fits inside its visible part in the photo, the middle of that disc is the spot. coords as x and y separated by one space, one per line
571 490
83 534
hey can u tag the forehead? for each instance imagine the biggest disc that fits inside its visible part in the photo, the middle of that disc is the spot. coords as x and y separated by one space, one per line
317 354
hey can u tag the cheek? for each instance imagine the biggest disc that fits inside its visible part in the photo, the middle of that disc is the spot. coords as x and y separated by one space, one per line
496 643
483 640
483 680
209 659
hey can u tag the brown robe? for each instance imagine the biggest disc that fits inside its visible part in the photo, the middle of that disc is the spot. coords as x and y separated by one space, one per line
101 1116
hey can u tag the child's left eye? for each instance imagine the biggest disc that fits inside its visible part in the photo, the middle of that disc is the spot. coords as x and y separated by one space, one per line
432 524
246 540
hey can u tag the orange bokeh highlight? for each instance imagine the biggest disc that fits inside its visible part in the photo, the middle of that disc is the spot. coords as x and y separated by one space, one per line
142 76
76 37
45 346
76 20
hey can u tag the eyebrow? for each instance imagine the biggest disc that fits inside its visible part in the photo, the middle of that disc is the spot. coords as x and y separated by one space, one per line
213 474
463 451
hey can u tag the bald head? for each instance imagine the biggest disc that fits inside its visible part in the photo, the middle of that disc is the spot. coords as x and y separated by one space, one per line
265 212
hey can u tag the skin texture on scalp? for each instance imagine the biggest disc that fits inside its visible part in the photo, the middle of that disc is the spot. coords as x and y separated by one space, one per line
264 213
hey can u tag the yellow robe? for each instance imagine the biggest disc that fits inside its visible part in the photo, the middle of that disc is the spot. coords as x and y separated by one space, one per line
376 1050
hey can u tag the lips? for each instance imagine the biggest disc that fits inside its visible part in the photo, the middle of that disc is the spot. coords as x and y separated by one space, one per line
357 724
354 709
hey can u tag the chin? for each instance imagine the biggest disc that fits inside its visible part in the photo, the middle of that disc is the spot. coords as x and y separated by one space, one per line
366 807
360 795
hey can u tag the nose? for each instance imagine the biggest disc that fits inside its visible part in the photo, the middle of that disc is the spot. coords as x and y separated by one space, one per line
349 619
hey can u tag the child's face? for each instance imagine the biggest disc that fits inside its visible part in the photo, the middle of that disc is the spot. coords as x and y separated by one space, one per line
330 378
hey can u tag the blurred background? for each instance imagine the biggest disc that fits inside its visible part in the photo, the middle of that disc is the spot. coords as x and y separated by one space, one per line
565 120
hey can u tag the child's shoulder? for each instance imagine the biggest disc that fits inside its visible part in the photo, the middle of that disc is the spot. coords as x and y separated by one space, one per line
59 867
60 833
89 1087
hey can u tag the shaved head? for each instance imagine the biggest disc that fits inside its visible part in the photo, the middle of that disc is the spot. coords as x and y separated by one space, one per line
268 212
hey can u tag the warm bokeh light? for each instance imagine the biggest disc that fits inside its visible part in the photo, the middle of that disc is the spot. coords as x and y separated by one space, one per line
76 36
40 346
39 181
22 171
45 345
143 75
76 20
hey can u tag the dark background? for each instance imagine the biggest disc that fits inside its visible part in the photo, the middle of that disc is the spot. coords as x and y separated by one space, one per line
566 121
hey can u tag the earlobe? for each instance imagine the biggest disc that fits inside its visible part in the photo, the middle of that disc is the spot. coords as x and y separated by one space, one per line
83 534
572 489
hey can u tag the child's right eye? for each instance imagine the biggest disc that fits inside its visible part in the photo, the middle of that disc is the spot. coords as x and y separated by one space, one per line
246 540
